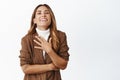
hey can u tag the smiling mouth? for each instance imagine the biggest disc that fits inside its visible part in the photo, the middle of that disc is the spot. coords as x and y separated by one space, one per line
43 20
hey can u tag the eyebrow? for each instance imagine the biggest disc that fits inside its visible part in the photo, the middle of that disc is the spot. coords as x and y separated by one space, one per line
40 10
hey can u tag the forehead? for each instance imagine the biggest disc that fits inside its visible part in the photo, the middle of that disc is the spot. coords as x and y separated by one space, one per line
42 8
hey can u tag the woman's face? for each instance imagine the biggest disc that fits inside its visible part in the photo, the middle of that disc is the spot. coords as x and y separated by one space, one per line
42 18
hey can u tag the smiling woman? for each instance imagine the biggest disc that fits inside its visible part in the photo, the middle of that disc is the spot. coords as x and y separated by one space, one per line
42 18
44 49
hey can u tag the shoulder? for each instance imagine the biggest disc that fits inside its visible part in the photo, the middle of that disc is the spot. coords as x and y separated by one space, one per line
62 36
61 33
27 38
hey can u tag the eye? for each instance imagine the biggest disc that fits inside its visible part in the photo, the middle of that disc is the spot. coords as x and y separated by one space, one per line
39 13
46 12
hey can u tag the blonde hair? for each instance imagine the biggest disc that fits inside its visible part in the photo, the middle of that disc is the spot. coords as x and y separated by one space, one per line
52 26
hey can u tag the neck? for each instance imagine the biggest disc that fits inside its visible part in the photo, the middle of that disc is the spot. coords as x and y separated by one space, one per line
43 28
45 31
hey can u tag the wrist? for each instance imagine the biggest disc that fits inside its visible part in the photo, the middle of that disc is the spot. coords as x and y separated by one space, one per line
50 66
50 51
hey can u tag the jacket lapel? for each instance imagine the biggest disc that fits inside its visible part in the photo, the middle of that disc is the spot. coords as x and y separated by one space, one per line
38 54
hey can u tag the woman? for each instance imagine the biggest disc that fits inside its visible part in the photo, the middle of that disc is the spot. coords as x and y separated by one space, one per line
44 49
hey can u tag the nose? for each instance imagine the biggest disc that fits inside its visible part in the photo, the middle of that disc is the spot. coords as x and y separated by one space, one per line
43 14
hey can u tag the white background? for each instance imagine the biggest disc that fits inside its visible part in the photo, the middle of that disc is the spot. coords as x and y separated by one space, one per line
93 34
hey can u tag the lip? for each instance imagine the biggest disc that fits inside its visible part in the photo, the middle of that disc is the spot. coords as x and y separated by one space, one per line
43 19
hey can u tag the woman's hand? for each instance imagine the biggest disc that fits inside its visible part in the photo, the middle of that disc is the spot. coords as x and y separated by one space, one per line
58 61
43 44
53 67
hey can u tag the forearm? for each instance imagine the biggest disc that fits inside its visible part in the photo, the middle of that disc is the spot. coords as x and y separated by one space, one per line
47 46
34 69
57 60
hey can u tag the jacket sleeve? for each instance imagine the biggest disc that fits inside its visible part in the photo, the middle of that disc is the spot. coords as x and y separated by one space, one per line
24 52
63 50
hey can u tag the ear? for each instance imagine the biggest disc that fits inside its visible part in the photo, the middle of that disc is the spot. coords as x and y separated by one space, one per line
34 20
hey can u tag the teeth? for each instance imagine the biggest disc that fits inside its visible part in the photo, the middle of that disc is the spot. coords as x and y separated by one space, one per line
43 19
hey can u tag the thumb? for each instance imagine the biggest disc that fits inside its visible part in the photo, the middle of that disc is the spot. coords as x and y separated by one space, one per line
50 40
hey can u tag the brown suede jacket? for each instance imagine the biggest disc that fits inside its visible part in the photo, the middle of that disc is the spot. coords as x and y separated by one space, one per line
30 55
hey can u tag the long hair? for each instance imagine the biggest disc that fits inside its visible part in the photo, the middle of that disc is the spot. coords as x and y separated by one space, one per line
52 26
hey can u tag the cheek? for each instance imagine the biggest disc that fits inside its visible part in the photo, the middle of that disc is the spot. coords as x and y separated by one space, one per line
49 18
50 21
37 19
